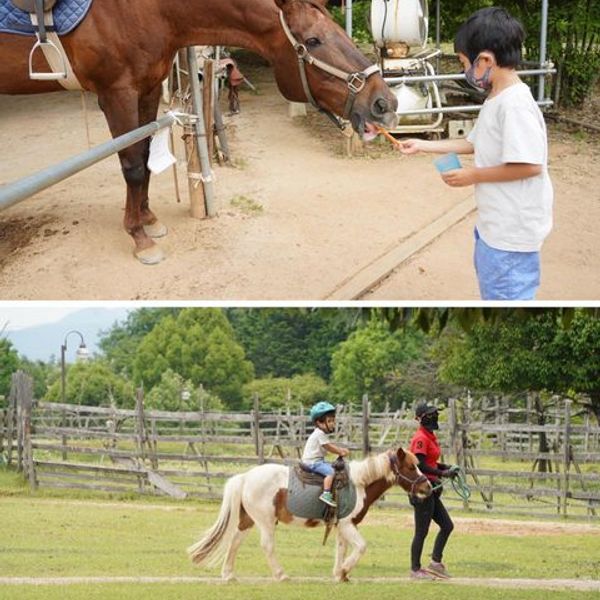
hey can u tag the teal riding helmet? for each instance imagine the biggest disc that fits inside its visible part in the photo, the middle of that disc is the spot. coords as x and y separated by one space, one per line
320 409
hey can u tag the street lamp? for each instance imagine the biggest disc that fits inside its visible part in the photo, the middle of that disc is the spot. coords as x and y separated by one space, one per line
81 354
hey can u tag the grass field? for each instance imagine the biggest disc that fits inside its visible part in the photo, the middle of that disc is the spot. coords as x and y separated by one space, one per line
53 537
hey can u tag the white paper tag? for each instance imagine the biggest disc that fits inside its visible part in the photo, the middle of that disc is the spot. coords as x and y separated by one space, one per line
160 156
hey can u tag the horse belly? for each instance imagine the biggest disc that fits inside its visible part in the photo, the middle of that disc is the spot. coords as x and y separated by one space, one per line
14 67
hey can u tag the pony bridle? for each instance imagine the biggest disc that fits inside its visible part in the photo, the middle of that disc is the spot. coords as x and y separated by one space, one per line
355 81
399 476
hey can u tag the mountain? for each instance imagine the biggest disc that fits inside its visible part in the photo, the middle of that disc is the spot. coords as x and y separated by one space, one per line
41 342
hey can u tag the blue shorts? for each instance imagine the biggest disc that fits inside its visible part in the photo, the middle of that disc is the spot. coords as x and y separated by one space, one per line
321 467
505 275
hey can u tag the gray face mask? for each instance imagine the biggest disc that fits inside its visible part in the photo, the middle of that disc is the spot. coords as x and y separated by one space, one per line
481 84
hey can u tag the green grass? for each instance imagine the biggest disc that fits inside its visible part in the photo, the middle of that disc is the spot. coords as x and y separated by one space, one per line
284 591
46 536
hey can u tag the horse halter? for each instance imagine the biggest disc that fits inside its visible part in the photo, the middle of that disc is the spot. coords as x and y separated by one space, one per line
356 81
399 476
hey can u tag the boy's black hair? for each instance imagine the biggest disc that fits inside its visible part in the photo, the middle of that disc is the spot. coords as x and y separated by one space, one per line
492 29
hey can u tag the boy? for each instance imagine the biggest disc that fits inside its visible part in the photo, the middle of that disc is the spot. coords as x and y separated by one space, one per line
322 415
513 191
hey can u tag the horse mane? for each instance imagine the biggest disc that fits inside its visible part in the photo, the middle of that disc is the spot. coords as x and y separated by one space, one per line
364 472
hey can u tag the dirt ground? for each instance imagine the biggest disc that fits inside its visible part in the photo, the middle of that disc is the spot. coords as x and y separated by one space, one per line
298 220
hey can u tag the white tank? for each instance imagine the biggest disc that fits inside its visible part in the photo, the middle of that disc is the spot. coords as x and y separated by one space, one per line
399 21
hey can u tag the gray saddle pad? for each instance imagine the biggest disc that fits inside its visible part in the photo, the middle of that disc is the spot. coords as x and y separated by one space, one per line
303 498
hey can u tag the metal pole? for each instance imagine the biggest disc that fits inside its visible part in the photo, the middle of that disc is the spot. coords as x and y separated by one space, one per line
455 76
437 33
349 17
63 349
543 35
22 189
200 132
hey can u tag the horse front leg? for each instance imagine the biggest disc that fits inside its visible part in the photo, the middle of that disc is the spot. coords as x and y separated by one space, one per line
340 553
148 109
121 112
350 533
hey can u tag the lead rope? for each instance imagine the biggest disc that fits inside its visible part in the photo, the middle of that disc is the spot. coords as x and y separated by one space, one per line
459 485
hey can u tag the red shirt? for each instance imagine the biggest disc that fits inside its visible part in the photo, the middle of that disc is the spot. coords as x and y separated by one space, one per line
425 442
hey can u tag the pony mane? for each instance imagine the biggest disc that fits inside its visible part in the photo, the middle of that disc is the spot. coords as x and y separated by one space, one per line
364 472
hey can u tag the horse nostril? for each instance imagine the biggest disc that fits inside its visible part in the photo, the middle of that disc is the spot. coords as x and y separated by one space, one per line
380 106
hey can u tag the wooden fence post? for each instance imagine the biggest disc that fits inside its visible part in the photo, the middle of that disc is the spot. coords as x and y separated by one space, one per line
11 416
566 456
366 446
258 446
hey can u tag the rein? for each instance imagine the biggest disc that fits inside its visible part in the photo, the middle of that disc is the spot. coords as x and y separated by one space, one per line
399 476
355 81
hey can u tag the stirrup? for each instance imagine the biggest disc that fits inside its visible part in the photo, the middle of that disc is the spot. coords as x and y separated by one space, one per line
50 75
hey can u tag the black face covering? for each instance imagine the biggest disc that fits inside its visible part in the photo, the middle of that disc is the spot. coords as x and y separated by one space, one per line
430 422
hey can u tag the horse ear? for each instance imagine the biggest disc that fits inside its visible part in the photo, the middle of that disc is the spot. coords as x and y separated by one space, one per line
400 453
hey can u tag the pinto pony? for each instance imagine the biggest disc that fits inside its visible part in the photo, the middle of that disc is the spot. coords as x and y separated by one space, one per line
259 497
122 51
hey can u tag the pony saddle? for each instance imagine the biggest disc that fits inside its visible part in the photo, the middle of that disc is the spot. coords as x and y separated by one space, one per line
305 487
31 6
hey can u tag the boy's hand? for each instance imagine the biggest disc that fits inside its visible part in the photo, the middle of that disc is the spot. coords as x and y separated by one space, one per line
411 146
460 177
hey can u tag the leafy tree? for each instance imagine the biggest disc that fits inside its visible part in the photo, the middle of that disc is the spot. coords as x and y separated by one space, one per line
372 361
9 363
43 374
279 392
119 344
283 342
535 354
175 393
199 345
93 384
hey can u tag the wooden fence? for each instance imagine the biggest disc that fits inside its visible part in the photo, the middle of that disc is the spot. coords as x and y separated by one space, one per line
514 465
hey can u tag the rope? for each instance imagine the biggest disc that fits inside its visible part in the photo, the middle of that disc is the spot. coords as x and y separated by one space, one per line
459 485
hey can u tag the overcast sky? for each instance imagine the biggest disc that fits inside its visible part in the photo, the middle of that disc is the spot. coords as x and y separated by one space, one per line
30 314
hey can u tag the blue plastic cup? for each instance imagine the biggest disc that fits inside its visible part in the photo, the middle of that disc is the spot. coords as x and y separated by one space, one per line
447 162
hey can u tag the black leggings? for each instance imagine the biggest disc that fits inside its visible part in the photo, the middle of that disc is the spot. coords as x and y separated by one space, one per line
431 509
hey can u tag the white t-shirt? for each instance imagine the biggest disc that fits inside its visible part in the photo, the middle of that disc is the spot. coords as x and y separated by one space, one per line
513 215
313 450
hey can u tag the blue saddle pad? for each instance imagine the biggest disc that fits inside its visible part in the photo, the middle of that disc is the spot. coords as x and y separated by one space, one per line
303 499
67 15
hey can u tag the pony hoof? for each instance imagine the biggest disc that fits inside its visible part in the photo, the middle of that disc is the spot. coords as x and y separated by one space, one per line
231 578
150 256
283 577
155 230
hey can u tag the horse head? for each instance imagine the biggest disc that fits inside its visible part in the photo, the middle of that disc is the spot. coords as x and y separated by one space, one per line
326 69
405 467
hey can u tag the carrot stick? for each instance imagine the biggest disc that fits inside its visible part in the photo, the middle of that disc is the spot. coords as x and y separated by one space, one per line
389 136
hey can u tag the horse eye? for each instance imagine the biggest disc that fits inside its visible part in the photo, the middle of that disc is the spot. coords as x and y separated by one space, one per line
312 42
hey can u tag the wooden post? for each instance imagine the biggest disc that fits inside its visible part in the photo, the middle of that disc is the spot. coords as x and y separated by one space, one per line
208 99
10 420
258 447
192 152
366 446
140 425
566 456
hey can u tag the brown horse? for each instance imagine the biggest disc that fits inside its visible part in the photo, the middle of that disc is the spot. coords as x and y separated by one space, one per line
259 497
122 51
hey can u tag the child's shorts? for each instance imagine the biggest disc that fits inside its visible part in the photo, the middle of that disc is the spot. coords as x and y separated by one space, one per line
322 468
506 275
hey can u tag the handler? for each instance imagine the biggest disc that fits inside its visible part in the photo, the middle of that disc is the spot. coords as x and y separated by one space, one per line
425 446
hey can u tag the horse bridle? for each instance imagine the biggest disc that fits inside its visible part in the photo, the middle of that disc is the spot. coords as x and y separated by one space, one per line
394 464
356 81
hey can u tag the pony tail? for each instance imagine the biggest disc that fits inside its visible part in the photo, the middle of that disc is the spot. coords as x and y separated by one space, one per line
217 540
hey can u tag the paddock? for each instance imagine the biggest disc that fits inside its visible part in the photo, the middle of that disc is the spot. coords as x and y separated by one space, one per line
297 218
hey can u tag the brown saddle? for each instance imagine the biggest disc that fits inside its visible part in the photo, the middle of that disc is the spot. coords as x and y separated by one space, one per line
30 6
341 477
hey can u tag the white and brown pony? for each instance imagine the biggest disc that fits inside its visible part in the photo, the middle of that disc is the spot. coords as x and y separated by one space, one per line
259 497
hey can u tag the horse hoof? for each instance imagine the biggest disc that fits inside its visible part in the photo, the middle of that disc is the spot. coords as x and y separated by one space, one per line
150 256
283 577
156 230
229 578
